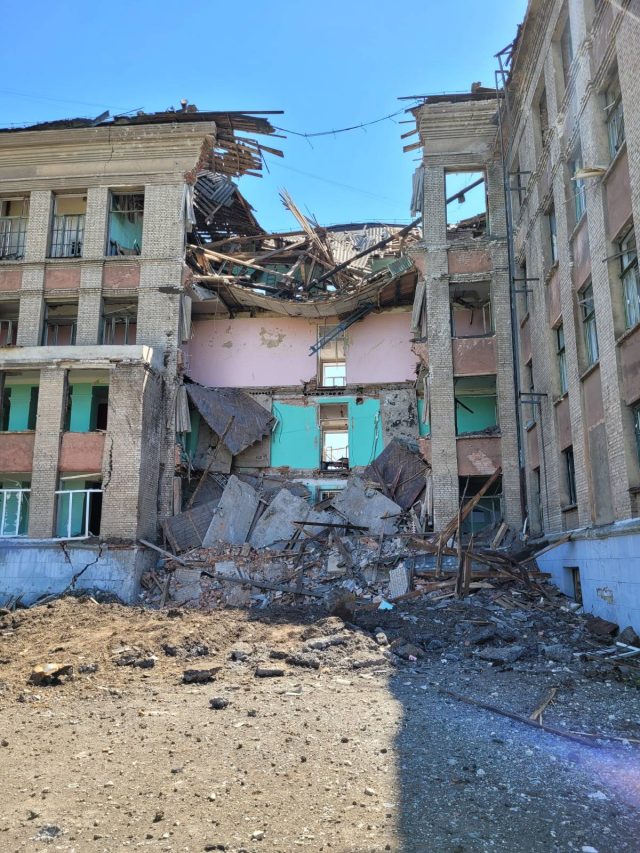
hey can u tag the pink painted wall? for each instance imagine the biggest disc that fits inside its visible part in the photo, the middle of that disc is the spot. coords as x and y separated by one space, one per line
478 457
249 352
16 452
269 351
81 452
379 349
563 419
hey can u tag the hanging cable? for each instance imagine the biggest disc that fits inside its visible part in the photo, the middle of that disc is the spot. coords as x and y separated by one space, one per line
360 126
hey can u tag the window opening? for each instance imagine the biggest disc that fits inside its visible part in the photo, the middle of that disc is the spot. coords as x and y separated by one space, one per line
19 402
579 189
126 214
543 115
334 431
570 475
630 276
79 507
67 231
14 213
566 51
466 196
119 323
14 507
589 324
332 367
60 324
635 411
614 117
471 314
476 405
9 312
553 234
488 511
561 355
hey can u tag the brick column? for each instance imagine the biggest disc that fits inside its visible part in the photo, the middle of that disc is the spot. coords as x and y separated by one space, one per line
89 305
122 473
44 478
31 313
95 223
37 241
444 460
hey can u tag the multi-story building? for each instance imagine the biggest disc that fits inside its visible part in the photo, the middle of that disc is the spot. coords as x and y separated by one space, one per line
572 142
461 317
93 312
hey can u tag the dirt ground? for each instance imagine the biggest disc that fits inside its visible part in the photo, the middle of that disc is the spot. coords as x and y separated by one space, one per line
361 754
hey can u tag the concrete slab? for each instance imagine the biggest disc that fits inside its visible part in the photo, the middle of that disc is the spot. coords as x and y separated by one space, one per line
233 516
276 522
367 507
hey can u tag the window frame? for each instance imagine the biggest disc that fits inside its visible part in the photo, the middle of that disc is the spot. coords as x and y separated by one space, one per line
552 223
111 250
630 278
561 356
635 414
570 475
589 325
614 117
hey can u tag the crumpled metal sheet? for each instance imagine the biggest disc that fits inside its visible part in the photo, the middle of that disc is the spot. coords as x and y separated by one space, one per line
401 472
233 415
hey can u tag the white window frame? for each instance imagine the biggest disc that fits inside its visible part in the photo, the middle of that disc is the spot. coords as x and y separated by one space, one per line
70 493
5 496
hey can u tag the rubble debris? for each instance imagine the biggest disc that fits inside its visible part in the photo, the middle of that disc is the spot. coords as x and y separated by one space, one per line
269 672
401 471
232 414
47 674
233 517
218 703
280 520
601 627
359 504
200 676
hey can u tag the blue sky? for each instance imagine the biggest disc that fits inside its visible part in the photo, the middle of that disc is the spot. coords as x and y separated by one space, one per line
327 65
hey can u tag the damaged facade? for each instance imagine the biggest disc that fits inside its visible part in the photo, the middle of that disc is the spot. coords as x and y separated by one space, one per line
93 312
572 150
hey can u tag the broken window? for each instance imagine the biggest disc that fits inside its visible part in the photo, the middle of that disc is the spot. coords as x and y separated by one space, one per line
561 355
566 51
579 190
635 411
126 212
466 196
553 234
471 314
119 322
14 213
570 475
614 113
332 367
60 323
87 402
543 116
334 431
9 312
630 276
589 324
488 511
14 505
79 506
67 230
476 405
536 487
19 401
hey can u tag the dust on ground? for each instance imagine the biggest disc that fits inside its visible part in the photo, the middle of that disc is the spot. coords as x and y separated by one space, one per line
354 748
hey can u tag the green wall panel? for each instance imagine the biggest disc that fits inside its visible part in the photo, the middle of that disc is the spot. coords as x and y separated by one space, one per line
81 397
484 414
20 408
296 439
425 429
365 432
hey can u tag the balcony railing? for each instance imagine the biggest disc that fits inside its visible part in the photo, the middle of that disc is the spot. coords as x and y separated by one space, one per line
67 235
74 513
14 515
13 233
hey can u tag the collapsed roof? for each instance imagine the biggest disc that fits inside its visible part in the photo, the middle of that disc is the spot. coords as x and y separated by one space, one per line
312 272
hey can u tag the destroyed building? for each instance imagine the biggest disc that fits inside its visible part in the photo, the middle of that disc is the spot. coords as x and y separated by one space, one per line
93 313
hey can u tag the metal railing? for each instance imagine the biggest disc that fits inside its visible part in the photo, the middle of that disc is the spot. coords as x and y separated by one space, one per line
13 234
73 519
14 514
67 235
